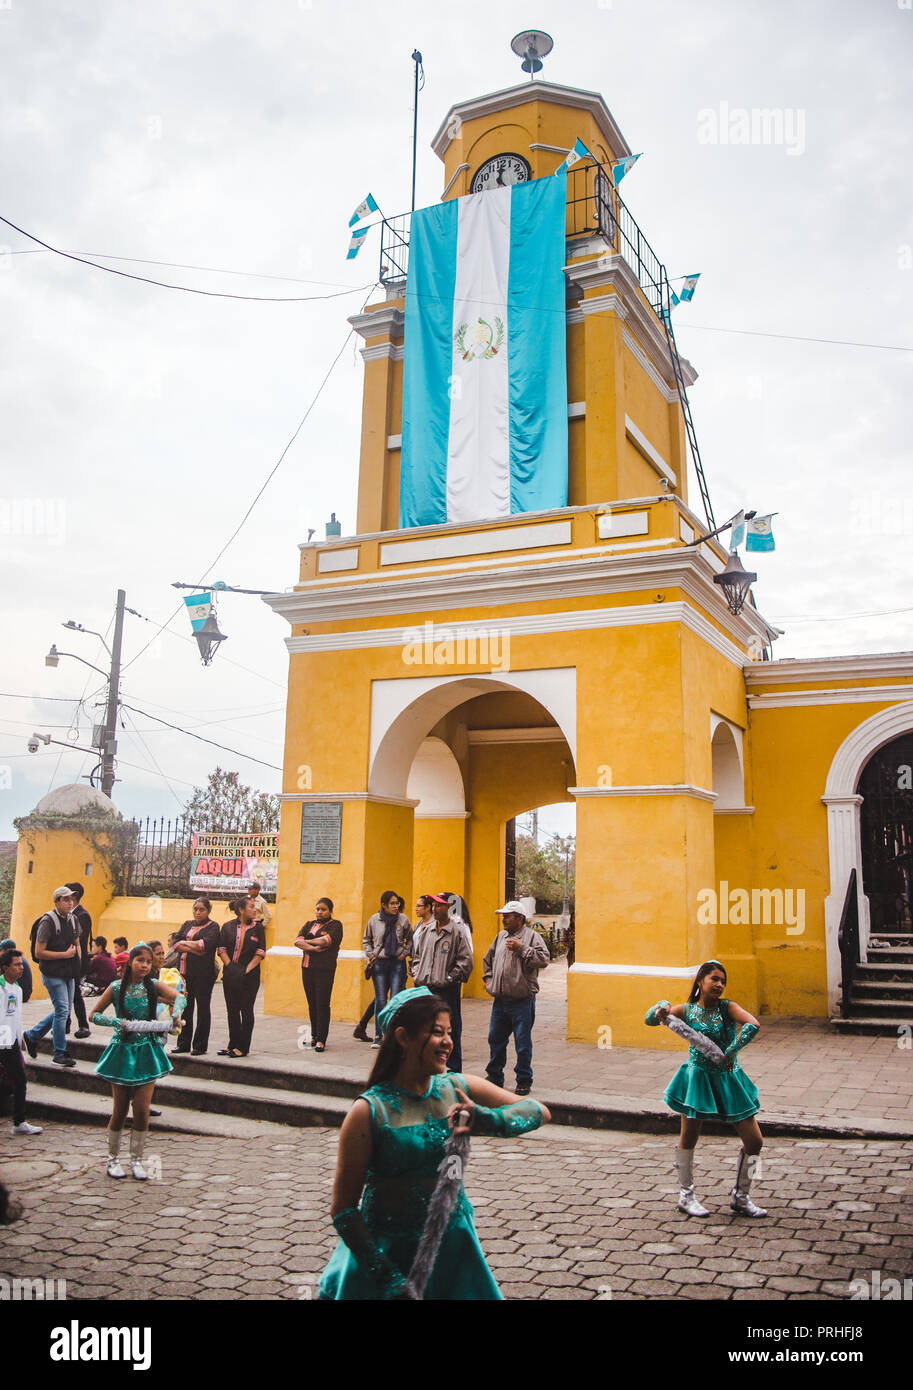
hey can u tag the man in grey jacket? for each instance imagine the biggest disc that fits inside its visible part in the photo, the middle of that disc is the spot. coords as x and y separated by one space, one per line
510 973
443 963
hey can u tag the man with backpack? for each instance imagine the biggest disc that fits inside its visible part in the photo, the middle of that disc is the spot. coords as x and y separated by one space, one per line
56 951
83 923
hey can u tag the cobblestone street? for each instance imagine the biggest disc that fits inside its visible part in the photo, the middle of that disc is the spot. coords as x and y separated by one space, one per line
561 1215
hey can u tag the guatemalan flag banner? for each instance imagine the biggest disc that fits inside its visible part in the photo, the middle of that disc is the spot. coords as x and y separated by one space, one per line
485 380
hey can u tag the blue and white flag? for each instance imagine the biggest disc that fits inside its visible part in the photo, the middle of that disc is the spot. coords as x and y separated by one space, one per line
485 372
737 534
363 210
356 242
760 533
574 156
199 607
686 294
621 166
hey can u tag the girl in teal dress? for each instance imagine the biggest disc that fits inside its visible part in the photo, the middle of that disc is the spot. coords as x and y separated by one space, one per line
391 1146
702 1089
134 1061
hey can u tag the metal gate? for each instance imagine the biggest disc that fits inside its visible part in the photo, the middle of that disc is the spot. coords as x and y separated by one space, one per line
886 788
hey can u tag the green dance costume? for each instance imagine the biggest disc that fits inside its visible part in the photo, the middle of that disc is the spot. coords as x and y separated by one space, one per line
702 1090
379 1240
133 1059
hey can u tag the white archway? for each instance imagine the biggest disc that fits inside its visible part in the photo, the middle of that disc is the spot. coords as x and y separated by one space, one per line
436 782
726 755
403 712
844 841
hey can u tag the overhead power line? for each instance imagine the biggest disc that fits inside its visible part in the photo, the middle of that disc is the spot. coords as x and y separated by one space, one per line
187 289
146 715
797 338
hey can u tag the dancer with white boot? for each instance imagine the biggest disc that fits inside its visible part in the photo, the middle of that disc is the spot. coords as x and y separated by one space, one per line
711 1084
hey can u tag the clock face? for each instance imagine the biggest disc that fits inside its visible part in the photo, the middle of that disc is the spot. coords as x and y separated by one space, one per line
500 171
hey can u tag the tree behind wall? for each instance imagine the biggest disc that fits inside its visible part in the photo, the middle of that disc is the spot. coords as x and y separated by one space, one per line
540 872
225 803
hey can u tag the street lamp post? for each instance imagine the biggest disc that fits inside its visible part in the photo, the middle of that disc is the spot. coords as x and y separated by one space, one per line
109 729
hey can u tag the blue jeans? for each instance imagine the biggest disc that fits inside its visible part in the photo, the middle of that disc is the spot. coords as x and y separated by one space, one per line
511 1016
389 976
60 993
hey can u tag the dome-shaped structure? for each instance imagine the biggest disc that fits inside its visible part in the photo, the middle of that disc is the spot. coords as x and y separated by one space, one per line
70 800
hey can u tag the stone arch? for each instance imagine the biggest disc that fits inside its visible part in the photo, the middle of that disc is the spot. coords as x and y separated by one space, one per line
728 775
404 711
435 781
844 840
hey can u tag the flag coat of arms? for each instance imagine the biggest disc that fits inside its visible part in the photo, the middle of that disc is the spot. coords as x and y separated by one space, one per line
199 607
760 533
485 372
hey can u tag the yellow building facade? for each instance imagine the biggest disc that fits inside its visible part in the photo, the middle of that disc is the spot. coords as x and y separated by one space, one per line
445 679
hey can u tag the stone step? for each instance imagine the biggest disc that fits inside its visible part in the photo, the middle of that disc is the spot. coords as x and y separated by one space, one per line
85 1107
885 1026
877 970
881 1002
222 1095
882 988
890 955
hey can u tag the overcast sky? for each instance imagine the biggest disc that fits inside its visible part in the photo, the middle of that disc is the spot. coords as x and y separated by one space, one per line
140 422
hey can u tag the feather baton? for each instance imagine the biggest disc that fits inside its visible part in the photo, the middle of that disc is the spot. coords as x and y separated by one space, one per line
443 1200
695 1039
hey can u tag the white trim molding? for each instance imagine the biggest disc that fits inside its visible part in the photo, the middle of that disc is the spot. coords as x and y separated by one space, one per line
653 456
374 351
798 670
733 810
674 972
493 541
385 319
331 561
548 733
456 174
442 815
844 839
860 695
348 796
668 393
667 789
612 524
494 103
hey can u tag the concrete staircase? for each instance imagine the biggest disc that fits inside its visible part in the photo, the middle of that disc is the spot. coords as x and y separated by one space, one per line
881 994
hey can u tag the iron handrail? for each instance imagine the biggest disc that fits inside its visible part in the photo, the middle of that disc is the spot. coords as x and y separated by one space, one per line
848 943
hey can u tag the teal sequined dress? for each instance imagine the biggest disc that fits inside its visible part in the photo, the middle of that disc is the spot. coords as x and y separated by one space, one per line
134 1059
409 1136
700 1089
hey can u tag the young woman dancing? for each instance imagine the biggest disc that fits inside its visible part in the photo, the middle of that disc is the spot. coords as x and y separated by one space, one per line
391 1147
704 1089
135 1059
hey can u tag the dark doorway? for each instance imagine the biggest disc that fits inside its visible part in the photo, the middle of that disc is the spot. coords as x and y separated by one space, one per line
887 835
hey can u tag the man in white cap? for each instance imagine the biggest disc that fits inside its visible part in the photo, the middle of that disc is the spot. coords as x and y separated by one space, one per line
510 973
57 953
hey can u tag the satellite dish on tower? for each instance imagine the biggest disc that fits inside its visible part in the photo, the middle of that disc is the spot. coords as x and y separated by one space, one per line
532 45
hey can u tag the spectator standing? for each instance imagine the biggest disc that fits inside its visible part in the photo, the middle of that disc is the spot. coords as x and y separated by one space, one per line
57 953
83 924
25 979
195 945
242 946
11 963
423 915
263 913
319 942
386 943
510 973
443 964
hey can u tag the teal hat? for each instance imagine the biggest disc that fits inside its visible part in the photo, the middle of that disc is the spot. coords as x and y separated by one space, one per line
405 996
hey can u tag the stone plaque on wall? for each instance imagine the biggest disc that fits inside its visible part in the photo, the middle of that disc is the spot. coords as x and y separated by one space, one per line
321 832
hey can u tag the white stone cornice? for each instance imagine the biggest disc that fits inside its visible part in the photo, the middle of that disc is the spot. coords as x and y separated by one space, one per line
668 393
545 733
670 972
387 319
377 350
796 671
660 789
442 815
733 810
492 587
495 102
624 293
859 695
348 796
550 149
577 620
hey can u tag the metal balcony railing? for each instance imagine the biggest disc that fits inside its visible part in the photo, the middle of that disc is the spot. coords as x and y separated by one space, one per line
594 208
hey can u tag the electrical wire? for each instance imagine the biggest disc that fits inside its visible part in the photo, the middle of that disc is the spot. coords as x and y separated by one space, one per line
199 737
796 338
180 265
187 289
152 756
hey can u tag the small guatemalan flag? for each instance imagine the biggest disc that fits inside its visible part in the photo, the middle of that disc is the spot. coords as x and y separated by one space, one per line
574 156
621 167
363 210
356 242
760 534
199 607
687 291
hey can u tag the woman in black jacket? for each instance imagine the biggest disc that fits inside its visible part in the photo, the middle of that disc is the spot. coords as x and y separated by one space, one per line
319 941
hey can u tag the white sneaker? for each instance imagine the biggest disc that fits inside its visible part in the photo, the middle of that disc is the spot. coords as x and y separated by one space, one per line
26 1128
138 1170
374 1045
114 1168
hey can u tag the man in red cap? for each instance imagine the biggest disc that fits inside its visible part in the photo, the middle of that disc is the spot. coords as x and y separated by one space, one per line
443 963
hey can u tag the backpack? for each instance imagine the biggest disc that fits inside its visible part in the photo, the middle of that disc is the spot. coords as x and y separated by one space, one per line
33 937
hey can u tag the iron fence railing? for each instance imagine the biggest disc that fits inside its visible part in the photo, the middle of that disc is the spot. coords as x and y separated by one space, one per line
168 853
594 207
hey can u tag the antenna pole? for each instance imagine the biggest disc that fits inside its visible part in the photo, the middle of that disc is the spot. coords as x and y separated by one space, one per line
417 60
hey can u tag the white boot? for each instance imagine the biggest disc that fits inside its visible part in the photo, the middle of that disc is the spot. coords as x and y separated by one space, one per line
687 1202
137 1144
114 1166
739 1199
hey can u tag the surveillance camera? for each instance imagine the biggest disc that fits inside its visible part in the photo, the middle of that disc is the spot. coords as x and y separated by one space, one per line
34 743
